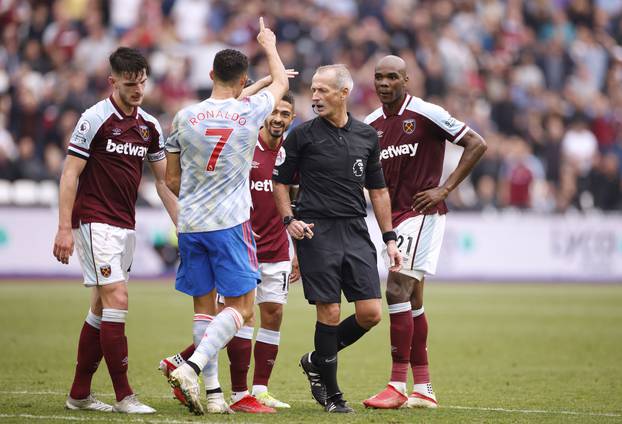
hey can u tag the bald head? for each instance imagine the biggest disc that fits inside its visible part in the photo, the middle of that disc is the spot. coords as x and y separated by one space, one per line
393 63
390 80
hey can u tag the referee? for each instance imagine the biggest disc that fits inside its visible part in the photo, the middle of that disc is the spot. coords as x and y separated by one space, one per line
335 156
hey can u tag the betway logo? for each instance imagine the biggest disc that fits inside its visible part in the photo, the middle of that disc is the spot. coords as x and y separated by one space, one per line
265 185
126 149
395 151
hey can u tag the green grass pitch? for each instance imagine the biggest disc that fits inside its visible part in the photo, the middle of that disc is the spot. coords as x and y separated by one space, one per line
499 354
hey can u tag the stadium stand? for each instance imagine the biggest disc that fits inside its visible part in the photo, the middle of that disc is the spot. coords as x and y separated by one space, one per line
540 80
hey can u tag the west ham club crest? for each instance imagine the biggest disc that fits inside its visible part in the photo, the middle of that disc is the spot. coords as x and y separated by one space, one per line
106 270
144 132
409 126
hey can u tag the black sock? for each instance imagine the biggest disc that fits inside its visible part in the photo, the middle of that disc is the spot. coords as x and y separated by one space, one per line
194 366
326 356
348 332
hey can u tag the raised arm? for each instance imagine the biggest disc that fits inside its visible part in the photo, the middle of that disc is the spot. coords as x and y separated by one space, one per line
255 87
63 242
279 85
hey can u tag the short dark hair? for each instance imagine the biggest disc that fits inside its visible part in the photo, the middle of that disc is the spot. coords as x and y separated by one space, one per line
127 60
230 64
289 98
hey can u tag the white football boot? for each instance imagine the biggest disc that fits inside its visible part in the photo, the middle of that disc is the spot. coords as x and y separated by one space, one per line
422 396
88 404
187 381
216 404
131 405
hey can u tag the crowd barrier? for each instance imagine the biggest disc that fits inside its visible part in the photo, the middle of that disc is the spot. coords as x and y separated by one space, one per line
508 246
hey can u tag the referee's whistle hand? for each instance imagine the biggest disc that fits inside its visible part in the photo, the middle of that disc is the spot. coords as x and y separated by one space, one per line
300 229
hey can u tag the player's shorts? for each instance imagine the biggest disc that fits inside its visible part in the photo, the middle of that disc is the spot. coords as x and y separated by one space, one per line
274 284
105 252
339 257
419 239
225 260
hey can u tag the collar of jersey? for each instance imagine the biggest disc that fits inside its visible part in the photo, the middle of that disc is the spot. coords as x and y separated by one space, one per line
346 127
407 100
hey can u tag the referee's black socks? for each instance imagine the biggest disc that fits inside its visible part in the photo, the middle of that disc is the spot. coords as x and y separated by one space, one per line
348 332
325 356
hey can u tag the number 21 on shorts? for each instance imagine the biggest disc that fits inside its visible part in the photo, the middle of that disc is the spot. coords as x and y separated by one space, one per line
405 246
224 134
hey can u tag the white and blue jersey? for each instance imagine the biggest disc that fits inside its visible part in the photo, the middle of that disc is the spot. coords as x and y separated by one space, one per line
216 140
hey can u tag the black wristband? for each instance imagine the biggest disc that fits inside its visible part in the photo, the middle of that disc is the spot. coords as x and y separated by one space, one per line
288 220
388 236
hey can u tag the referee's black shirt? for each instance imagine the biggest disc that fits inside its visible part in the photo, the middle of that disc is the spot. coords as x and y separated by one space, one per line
333 165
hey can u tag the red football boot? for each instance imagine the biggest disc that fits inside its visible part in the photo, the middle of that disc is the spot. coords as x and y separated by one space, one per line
167 366
389 398
251 405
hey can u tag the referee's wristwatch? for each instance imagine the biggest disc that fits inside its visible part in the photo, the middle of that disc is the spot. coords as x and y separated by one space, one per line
288 220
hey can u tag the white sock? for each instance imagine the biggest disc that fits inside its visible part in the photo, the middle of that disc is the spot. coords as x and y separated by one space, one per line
199 330
221 331
417 312
114 315
425 388
246 332
259 389
235 396
93 320
399 386
176 359
396 308
268 336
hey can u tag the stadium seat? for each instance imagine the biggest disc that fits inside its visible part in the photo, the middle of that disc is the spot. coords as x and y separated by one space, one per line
5 192
149 192
48 193
24 192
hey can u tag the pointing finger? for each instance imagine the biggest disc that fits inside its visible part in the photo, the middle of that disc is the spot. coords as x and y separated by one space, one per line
261 24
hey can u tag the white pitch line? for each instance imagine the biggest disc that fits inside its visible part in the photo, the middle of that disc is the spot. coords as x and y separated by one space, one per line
103 417
534 411
467 408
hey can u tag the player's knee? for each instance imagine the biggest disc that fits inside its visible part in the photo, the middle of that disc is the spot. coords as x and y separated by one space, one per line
251 321
416 303
115 297
370 319
248 315
328 313
271 317
397 293
369 316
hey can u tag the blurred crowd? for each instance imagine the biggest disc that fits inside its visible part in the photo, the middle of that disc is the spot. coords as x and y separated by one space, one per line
540 80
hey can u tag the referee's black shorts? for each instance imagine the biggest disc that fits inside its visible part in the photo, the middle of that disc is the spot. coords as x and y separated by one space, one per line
339 257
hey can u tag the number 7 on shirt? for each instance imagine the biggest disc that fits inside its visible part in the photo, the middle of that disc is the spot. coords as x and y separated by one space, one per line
224 134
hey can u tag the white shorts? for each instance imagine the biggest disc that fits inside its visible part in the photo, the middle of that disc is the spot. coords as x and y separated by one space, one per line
419 240
274 284
105 252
